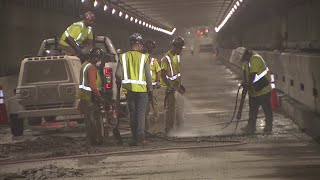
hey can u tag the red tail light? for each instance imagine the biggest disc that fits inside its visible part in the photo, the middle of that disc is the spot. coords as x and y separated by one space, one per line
108 75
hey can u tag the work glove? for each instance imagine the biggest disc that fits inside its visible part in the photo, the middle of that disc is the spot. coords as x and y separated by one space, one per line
99 99
118 82
182 90
157 85
79 51
150 95
244 85
170 90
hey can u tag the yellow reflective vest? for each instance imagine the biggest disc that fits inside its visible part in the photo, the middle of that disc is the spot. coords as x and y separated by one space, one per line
78 31
133 76
171 64
84 91
257 65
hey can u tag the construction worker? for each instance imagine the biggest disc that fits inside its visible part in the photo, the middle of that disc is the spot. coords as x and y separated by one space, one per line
89 95
170 73
133 72
192 49
155 71
76 34
256 80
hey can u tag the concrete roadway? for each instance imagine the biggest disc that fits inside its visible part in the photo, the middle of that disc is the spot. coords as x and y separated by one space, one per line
211 89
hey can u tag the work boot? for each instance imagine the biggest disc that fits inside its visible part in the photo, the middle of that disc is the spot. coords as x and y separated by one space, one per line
268 128
132 143
248 129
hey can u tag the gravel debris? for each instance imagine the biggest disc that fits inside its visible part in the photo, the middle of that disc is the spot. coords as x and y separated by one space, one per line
45 172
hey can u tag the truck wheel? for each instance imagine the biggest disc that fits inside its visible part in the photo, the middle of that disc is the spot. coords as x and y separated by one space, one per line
16 125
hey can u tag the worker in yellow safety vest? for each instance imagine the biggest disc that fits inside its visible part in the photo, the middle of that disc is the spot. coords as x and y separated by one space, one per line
133 73
76 34
88 92
256 80
155 71
171 76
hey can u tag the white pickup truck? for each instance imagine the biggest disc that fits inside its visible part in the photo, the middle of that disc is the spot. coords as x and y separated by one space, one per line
48 82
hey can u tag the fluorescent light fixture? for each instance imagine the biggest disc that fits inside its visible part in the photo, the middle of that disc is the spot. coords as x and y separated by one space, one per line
136 20
235 7
120 13
238 4
113 11
95 4
147 24
144 23
140 22
82 1
105 7
131 19
240 0
126 16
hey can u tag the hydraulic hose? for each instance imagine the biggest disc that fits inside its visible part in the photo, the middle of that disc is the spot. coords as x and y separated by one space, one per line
235 109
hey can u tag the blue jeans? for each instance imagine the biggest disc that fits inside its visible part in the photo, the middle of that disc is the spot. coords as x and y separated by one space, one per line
137 103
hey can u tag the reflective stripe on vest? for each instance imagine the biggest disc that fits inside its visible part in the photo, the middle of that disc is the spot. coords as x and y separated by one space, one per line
273 86
82 86
90 29
151 64
79 37
1 97
173 77
261 75
126 80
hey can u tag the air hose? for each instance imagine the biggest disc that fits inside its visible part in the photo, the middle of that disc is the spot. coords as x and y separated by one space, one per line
235 109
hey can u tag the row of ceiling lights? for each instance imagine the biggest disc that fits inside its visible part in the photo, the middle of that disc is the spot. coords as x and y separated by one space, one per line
131 18
231 12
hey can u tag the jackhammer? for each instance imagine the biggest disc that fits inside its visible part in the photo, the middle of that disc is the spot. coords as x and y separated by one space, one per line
115 131
239 114
107 109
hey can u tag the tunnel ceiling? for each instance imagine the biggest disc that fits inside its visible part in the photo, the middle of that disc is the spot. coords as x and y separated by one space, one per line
180 13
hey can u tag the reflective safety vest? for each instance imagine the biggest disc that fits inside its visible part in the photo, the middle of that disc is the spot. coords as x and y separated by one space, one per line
84 91
78 31
151 72
133 72
174 70
263 73
151 64
154 68
261 79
